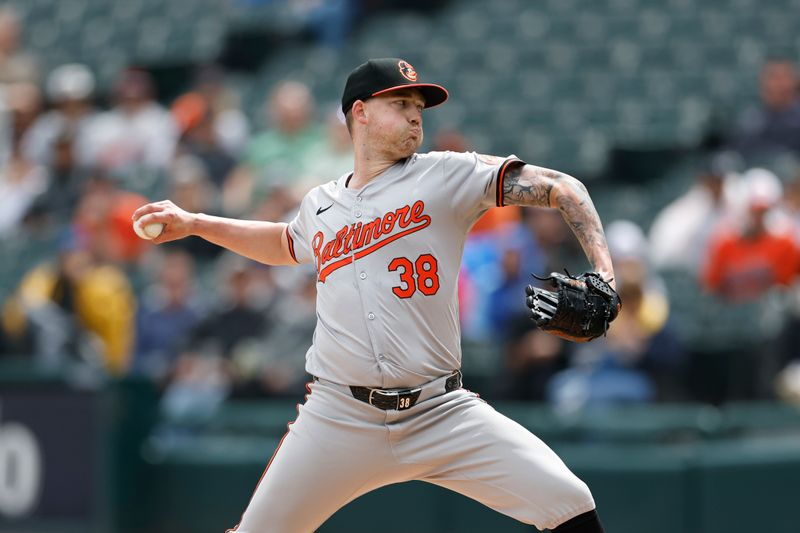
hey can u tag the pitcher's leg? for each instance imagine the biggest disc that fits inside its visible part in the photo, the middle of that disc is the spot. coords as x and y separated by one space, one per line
328 457
488 457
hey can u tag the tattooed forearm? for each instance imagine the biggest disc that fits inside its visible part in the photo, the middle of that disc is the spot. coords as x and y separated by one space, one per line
541 187
578 211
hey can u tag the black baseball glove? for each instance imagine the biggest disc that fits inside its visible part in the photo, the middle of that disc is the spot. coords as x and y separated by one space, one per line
579 308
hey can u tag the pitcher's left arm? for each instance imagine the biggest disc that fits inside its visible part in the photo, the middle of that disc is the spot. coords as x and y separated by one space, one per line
530 185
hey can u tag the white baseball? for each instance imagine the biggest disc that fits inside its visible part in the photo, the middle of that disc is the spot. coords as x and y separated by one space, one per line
150 231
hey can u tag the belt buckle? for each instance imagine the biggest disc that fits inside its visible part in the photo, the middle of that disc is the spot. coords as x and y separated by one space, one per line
401 403
369 399
382 392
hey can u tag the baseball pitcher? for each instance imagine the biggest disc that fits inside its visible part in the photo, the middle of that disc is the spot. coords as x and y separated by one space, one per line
385 403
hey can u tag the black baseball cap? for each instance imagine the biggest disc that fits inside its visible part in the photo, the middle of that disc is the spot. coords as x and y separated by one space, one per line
378 76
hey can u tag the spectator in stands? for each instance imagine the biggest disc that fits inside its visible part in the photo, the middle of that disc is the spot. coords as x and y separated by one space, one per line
518 258
774 125
332 158
665 357
137 131
746 260
21 182
629 249
788 343
24 102
16 336
501 255
641 359
16 65
531 359
680 231
281 367
70 91
79 307
232 332
498 260
279 154
56 205
169 310
20 105
198 139
230 125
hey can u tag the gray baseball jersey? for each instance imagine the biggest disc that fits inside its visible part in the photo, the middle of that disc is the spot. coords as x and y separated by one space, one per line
387 259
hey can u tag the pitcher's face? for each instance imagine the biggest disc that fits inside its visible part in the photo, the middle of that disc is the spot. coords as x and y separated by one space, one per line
394 122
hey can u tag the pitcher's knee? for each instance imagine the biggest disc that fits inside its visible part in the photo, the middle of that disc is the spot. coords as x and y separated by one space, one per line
572 498
581 493
571 489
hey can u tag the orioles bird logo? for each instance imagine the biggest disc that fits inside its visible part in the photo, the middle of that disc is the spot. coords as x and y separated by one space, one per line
407 70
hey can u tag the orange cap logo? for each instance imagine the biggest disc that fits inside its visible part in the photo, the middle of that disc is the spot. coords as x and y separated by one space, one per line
407 70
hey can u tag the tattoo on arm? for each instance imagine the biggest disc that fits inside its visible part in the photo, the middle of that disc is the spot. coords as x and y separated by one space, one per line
528 185
541 187
578 211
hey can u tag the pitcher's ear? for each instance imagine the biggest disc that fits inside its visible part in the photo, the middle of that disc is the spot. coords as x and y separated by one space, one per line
359 111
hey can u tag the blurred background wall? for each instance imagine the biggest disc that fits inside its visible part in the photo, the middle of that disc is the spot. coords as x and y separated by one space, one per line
143 389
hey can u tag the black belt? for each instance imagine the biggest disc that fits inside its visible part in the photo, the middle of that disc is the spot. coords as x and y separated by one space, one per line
399 399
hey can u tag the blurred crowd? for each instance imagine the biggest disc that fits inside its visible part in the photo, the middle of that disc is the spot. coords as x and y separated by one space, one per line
74 165
711 300
710 289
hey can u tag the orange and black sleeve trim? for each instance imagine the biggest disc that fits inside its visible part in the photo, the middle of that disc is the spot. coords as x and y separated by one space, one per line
501 174
291 244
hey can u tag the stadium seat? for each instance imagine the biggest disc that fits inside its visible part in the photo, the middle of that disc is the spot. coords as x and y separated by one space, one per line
538 43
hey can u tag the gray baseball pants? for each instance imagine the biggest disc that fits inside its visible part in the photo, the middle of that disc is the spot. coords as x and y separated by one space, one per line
340 448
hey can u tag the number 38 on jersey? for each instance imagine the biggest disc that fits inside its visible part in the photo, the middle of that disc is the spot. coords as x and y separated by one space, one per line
420 275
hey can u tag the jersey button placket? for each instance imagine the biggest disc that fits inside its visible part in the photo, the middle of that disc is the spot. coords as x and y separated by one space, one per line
365 288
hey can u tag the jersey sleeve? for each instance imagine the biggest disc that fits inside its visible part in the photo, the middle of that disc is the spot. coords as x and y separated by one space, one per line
297 233
475 181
